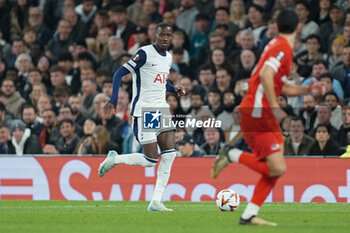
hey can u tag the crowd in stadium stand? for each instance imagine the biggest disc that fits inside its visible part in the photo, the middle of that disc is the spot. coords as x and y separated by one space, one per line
58 58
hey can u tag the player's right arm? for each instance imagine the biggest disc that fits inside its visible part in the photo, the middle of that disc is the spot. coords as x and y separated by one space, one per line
117 78
267 75
138 60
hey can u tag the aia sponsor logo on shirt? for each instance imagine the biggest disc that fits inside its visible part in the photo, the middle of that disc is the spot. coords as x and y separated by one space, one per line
161 78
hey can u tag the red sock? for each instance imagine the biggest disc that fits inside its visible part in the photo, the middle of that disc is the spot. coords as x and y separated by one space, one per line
252 162
262 189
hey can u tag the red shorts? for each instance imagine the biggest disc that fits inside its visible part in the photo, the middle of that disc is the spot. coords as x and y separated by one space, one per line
263 135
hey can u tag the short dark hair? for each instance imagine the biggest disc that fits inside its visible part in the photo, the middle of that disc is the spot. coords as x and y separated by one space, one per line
223 9
206 67
202 16
35 69
25 106
297 118
119 9
65 57
65 120
108 80
215 90
326 75
313 36
257 7
163 25
2 107
102 72
323 125
320 61
287 21
178 51
57 68
331 93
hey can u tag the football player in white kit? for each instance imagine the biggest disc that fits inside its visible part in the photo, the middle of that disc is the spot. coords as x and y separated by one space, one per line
149 67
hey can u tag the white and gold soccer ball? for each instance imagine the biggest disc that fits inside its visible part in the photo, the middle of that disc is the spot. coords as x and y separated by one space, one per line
227 200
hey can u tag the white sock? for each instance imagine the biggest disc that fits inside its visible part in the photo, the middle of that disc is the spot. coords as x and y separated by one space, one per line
250 210
136 159
163 174
234 154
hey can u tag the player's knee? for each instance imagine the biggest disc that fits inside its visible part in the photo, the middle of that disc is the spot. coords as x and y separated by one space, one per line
278 171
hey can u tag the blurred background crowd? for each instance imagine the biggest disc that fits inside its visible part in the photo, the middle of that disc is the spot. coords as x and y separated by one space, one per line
58 58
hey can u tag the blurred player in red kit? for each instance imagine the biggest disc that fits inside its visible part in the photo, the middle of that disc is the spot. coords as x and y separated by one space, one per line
261 115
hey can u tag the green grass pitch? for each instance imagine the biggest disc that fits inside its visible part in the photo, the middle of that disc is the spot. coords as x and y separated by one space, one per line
132 217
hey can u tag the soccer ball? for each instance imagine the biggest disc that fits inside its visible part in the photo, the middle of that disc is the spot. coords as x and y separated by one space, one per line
227 200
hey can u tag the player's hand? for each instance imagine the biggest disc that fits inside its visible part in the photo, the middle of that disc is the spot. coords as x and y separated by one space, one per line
108 108
317 88
180 91
279 114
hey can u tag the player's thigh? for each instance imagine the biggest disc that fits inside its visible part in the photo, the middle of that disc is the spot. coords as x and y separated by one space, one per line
166 140
150 150
276 163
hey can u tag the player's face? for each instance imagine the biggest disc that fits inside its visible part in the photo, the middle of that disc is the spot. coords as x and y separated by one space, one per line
163 37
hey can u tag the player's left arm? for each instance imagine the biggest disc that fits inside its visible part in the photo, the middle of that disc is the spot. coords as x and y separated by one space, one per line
316 88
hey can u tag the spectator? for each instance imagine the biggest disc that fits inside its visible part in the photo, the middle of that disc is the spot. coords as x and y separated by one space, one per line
23 64
122 109
101 75
86 11
334 59
102 142
178 41
212 144
206 77
19 17
298 143
149 7
23 142
112 124
324 114
66 112
169 17
308 112
331 28
324 145
50 133
246 41
219 60
200 37
101 20
34 78
237 14
214 101
12 99
309 27
228 104
107 87
123 27
186 18
89 91
185 100
283 103
5 8
305 61
187 147
222 16
59 44
197 104
30 118
255 16
86 140
333 101
344 131
44 64
134 10
345 79
87 72
17 47
174 105
44 103
5 116
29 36
5 138
233 132
76 103
112 60
36 20
79 29
323 14
224 80
67 142
140 39
99 46
246 65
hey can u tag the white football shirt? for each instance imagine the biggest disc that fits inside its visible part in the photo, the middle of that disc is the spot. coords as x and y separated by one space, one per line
150 71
